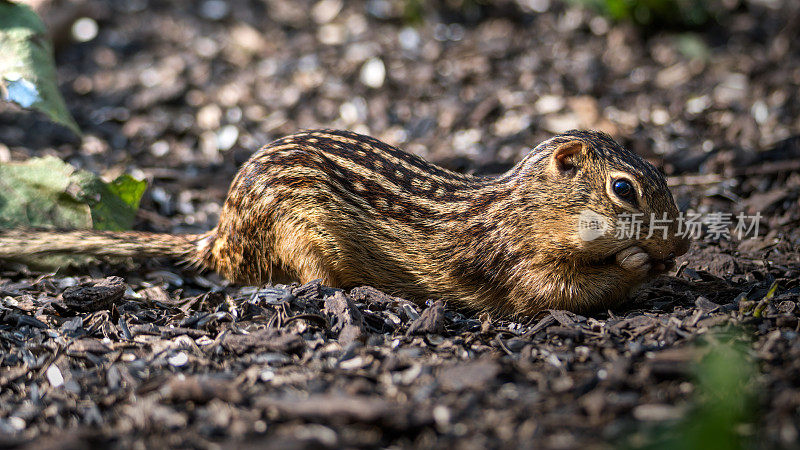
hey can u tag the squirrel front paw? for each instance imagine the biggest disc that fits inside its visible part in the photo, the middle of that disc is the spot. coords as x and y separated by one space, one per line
636 260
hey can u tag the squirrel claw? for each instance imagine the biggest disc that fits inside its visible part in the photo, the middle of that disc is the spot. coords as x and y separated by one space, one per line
634 259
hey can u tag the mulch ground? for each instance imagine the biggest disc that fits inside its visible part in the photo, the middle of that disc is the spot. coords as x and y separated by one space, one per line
149 354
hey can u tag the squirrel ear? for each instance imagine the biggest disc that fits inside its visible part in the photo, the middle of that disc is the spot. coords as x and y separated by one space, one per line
564 159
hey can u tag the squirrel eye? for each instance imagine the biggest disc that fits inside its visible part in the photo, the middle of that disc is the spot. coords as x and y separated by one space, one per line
625 190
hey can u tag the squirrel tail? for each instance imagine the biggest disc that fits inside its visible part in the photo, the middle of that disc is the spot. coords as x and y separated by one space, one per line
16 243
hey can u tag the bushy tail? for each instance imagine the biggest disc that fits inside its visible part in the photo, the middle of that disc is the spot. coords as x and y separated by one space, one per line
18 243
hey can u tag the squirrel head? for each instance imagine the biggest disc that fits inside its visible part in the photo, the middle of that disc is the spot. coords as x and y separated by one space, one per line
604 198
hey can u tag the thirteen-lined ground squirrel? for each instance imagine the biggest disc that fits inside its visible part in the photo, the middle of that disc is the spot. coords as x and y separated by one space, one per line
351 210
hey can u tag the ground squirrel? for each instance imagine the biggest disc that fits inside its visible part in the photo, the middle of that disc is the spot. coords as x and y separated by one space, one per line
351 210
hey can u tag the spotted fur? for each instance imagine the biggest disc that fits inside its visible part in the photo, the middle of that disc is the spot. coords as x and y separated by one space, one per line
351 210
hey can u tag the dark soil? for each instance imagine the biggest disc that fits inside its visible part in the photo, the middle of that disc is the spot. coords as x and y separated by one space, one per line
181 92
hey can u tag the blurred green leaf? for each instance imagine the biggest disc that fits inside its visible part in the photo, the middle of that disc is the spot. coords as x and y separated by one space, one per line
724 400
27 69
129 189
46 192
413 12
725 376
37 193
671 13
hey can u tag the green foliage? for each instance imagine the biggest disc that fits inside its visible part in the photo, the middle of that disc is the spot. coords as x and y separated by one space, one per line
672 13
128 189
725 379
413 12
27 69
724 400
46 192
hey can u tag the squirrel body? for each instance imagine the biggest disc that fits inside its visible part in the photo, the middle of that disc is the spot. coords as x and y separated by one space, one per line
351 210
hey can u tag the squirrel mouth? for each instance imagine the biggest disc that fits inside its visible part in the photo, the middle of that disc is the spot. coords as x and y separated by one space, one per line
659 266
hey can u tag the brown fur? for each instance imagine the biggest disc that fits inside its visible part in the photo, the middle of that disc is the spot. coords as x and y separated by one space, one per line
351 210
